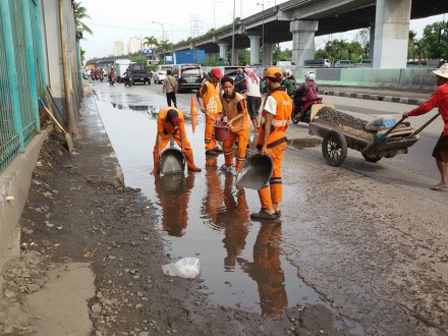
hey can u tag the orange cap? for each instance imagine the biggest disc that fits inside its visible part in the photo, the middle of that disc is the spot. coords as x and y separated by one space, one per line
273 72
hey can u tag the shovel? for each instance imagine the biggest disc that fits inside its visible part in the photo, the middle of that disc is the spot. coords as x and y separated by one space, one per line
68 138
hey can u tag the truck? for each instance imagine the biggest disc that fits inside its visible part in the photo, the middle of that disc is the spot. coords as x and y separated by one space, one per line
189 57
139 74
121 66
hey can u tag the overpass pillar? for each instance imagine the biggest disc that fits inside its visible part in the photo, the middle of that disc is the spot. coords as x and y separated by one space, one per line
268 53
223 50
254 49
303 45
372 41
391 33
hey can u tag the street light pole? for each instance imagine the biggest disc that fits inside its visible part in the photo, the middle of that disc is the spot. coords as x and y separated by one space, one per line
233 34
163 37
262 27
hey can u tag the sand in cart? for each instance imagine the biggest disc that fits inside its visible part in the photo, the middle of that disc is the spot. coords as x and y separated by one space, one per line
345 122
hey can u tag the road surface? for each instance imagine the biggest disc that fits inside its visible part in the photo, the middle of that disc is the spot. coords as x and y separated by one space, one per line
367 241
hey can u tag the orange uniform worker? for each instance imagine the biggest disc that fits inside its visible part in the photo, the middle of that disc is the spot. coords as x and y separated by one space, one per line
238 120
210 103
171 123
276 114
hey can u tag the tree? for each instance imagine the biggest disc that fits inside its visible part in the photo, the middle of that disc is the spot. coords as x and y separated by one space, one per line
435 40
150 41
363 38
80 14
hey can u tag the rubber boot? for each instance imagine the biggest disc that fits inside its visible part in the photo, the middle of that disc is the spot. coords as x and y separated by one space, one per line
156 163
190 161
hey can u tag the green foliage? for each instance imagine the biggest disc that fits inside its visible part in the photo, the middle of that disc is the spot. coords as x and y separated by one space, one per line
244 57
140 59
83 53
435 40
212 60
80 14
342 50
282 55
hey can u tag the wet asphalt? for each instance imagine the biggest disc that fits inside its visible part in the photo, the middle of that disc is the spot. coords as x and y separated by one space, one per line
342 240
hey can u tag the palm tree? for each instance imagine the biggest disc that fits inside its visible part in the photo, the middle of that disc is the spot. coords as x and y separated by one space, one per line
81 13
150 41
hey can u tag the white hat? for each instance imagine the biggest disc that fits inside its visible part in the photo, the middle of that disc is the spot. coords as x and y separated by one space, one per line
442 71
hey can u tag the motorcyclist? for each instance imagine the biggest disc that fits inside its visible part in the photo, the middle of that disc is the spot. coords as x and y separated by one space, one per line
290 82
111 74
101 73
306 92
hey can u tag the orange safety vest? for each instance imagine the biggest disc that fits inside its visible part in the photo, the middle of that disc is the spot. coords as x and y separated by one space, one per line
280 122
211 98
164 126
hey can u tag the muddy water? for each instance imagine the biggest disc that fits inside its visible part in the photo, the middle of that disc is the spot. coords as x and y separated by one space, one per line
204 215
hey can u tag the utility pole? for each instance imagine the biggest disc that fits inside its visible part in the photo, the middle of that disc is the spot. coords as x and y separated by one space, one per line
214 13
262 27
233 34
141 51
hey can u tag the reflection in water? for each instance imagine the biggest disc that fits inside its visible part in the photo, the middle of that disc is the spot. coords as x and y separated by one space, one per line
236 220
174 192
213 201
267 271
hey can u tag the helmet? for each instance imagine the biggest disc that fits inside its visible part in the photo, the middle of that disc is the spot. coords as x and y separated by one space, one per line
288 73
310 76
273 72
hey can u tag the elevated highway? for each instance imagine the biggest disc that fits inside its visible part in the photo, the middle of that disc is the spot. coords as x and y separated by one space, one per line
300 21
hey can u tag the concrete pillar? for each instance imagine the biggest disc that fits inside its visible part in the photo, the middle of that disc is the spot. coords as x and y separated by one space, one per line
372 41
268 53
303 45
391 33
254 49
223 49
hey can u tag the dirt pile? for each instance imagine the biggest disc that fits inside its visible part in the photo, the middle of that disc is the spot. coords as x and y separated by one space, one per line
341 119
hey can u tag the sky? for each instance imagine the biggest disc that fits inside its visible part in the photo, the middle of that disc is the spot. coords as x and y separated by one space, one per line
113 20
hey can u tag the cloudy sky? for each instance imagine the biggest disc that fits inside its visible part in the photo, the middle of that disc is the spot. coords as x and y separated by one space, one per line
113 20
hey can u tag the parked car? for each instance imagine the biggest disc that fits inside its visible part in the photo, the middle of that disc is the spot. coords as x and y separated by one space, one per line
160 73
343 64
364 63
317 63
139 74
189 76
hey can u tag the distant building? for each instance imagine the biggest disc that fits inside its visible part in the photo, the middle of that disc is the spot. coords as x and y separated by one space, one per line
134 45
119 48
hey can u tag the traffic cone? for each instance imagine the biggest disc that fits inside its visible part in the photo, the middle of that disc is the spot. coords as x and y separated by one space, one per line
194 113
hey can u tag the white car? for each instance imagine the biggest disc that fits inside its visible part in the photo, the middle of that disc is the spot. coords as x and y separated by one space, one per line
160 73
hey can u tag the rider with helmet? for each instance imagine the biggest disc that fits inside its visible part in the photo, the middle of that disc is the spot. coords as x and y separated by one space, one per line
306 92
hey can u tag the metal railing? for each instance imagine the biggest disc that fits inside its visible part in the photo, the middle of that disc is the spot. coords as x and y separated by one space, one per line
21 76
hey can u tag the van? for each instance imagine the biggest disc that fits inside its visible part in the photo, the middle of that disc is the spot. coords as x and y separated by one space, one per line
317 63
189 76
285 64
343 64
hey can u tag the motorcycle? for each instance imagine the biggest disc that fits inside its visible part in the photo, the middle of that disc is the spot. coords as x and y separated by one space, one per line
101 77
111 81
302 112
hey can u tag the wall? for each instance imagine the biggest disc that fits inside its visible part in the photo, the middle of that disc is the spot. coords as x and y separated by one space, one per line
416 80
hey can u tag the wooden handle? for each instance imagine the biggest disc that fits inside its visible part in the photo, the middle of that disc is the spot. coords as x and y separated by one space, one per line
54 119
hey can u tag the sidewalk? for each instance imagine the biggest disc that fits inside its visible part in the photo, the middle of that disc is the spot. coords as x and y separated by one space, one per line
402 97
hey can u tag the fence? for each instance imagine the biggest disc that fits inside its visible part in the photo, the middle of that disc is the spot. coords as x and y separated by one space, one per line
22 76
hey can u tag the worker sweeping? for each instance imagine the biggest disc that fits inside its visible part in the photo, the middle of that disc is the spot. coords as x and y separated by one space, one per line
439 98
276 114
238 120
171 123
210 103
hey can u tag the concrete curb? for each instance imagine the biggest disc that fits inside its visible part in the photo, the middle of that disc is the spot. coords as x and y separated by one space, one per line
400 100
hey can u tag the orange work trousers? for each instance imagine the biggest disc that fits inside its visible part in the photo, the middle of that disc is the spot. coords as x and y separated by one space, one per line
243 139
166 138
273 192
210 141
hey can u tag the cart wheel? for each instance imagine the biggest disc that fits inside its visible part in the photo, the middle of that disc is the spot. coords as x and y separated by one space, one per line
372 159
334 148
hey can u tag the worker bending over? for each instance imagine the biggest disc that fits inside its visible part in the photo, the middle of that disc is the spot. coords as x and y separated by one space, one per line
276 114
238 120
439 98
171 123
210 103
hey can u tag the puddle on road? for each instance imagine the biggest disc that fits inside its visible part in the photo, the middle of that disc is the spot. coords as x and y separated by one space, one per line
204 215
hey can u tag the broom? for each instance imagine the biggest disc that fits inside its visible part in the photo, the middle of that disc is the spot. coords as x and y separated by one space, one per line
68 138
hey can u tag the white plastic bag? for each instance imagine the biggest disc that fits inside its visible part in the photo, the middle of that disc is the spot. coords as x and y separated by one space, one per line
185 268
